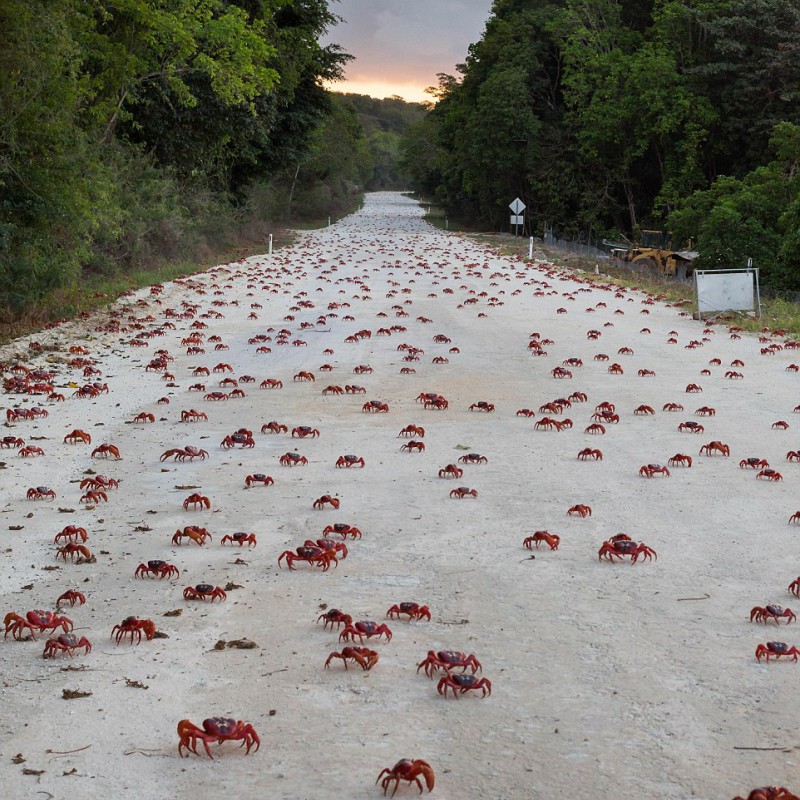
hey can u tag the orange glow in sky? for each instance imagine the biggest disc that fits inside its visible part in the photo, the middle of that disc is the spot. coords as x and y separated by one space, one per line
410 92
400 47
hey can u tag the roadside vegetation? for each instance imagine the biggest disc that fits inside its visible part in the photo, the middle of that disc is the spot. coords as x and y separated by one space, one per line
140 140
609 117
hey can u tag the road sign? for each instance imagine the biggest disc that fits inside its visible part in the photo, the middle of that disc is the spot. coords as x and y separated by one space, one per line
517 206
517 219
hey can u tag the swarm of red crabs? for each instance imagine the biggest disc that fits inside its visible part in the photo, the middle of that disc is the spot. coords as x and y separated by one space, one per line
456 671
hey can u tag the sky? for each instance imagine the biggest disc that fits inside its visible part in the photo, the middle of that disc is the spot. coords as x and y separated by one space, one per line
401 45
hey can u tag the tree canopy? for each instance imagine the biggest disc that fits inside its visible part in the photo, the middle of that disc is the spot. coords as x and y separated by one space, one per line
609 116
131 129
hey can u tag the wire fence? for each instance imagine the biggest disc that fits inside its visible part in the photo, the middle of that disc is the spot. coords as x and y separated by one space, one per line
571 246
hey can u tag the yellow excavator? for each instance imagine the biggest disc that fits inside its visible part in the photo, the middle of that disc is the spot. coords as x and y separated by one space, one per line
655 251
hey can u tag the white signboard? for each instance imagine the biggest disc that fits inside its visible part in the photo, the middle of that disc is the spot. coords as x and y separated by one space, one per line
727 290
517 207
517 219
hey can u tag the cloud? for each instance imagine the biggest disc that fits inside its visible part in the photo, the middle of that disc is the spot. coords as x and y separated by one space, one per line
405 43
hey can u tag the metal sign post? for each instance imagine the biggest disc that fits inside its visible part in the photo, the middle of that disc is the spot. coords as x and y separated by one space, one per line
517 217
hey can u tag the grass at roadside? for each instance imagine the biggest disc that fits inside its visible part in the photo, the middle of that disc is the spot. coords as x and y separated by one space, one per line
777 313
96 292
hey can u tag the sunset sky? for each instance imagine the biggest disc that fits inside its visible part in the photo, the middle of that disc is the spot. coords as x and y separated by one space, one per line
401 45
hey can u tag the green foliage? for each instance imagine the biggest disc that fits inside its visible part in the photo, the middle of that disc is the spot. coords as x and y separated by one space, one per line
385 122
133 132
607 116
753 217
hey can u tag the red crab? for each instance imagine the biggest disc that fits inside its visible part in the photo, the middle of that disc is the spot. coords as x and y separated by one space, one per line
99 482
407 770
644 410
588 452
302 431
328 544
451 471
620 547
412 610
94 496
550 539
482 405
473 458
412 447
195 533
375 407
41 493
333 390
216 729
365 628
204 590
326 500
335 616
71 532
672 407
242 437
679 459
315 556
274 427
777 650
580 511
462 492
651 470
367 659
71 549
258 477
770 475
715 447
157 568
447 660
30 450
8 442
753 463
71 596
240 538
133 626
343 529
36 620
691 426
192 415
765 614
66 643
182 453
349 461
194 500
292 460
769 793
461 683
106 450
412 430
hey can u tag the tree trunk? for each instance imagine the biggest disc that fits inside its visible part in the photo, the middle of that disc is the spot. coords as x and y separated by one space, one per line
291 191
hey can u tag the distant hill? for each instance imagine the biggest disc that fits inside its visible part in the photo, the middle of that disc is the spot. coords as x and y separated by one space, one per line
385 122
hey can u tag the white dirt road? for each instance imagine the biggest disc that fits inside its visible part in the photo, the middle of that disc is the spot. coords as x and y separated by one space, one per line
608 680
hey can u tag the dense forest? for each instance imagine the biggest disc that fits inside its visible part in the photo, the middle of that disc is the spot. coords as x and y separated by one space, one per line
138 133
611 116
